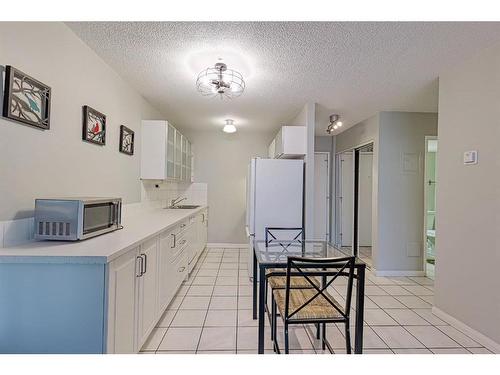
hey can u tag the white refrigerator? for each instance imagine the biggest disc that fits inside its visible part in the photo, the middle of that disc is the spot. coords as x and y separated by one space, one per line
274 198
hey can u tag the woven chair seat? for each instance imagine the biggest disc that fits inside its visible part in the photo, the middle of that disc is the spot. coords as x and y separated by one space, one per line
318 308
279 282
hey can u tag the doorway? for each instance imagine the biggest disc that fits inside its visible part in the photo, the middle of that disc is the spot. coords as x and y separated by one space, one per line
431 148
322 196
365 189
353 204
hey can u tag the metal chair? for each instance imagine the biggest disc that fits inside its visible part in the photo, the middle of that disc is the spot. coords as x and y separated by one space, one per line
275 278
313 305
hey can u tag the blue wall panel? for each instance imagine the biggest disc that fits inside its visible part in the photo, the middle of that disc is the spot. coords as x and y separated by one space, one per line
51 308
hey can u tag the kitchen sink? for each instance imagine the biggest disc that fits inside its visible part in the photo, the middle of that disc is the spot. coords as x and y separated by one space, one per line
183 207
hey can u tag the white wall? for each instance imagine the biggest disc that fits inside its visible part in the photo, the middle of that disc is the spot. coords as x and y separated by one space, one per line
307 118
221 161
36 163
401 189
397 197
468 197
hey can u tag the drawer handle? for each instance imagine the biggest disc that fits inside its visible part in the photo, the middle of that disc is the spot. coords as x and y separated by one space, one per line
183 225
145 263
141 259
181 269
175 240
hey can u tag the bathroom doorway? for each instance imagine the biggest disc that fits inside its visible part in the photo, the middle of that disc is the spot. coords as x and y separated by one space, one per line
431 148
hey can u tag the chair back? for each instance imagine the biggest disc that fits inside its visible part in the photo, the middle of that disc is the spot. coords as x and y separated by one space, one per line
272 234
327 269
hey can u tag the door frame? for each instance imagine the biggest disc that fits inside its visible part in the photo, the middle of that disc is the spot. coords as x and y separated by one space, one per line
424 247
328 192
338 207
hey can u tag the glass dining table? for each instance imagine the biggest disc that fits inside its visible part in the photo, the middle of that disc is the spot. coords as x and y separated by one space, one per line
274 255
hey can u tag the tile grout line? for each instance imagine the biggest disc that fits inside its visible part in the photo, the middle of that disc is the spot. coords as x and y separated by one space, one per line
209 303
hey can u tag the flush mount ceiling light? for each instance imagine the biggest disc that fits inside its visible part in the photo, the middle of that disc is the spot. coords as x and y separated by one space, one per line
334 124
229 127
220 81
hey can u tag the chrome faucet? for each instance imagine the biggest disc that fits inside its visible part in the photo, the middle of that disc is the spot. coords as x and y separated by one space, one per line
176 201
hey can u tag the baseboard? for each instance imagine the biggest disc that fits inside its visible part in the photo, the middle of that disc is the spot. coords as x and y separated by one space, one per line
476 335
398 273
227 245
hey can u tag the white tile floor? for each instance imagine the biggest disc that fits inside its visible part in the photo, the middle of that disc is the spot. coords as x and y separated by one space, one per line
212 313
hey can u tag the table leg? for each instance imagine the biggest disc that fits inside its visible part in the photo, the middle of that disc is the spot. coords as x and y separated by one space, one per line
360 307
262 293
254 286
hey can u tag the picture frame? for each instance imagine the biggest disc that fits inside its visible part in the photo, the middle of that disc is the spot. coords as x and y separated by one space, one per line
126 140
26 100
94 126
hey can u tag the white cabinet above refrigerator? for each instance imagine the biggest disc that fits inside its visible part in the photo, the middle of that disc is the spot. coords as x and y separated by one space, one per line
289 143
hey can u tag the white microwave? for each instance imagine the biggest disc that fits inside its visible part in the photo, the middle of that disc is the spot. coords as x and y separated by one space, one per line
73 219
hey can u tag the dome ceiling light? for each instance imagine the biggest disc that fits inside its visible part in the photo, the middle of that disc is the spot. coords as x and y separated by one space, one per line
229 127
334 124
220 81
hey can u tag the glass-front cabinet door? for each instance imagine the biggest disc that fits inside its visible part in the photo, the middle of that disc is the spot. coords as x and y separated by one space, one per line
178 155
171 151
184 159
189 162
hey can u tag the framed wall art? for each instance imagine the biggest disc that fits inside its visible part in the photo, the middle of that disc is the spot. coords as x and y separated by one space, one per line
126 140
94 126
26 99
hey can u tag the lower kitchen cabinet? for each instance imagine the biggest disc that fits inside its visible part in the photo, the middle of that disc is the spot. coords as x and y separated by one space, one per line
123 273
87 305
147 290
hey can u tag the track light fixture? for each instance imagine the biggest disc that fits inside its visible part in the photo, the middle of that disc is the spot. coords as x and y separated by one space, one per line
334 123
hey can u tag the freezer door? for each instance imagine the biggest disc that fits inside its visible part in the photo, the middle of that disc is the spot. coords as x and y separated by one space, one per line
278 194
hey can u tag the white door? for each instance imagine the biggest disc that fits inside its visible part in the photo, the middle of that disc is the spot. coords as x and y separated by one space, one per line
346 173
321 196
123 273
365 199
148 289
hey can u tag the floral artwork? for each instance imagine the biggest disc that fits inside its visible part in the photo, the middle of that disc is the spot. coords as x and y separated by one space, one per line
94 126
26 100
126 140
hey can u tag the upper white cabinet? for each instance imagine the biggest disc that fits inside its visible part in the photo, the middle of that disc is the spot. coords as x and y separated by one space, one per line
289 143
165 152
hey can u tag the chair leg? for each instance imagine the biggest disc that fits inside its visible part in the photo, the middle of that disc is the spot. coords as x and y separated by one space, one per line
287 348
273 318
265 295
318 336
347 338
323 337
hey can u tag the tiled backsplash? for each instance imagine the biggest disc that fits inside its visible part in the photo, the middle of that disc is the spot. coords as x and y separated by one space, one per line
17 232
162 193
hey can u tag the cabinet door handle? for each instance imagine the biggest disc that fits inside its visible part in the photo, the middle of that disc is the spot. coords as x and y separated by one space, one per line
203 220
139 258
145 263
175 239
181 269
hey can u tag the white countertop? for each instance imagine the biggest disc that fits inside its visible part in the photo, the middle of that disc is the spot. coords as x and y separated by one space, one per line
139 224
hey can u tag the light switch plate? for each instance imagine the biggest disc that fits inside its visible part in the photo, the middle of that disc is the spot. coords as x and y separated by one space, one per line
470 157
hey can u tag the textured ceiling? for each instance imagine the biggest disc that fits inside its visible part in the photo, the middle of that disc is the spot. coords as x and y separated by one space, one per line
353 69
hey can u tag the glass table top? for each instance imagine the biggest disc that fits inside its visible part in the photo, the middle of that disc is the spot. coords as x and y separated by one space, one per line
277 251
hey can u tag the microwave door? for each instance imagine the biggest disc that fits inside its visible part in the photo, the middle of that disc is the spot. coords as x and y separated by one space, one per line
98 217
